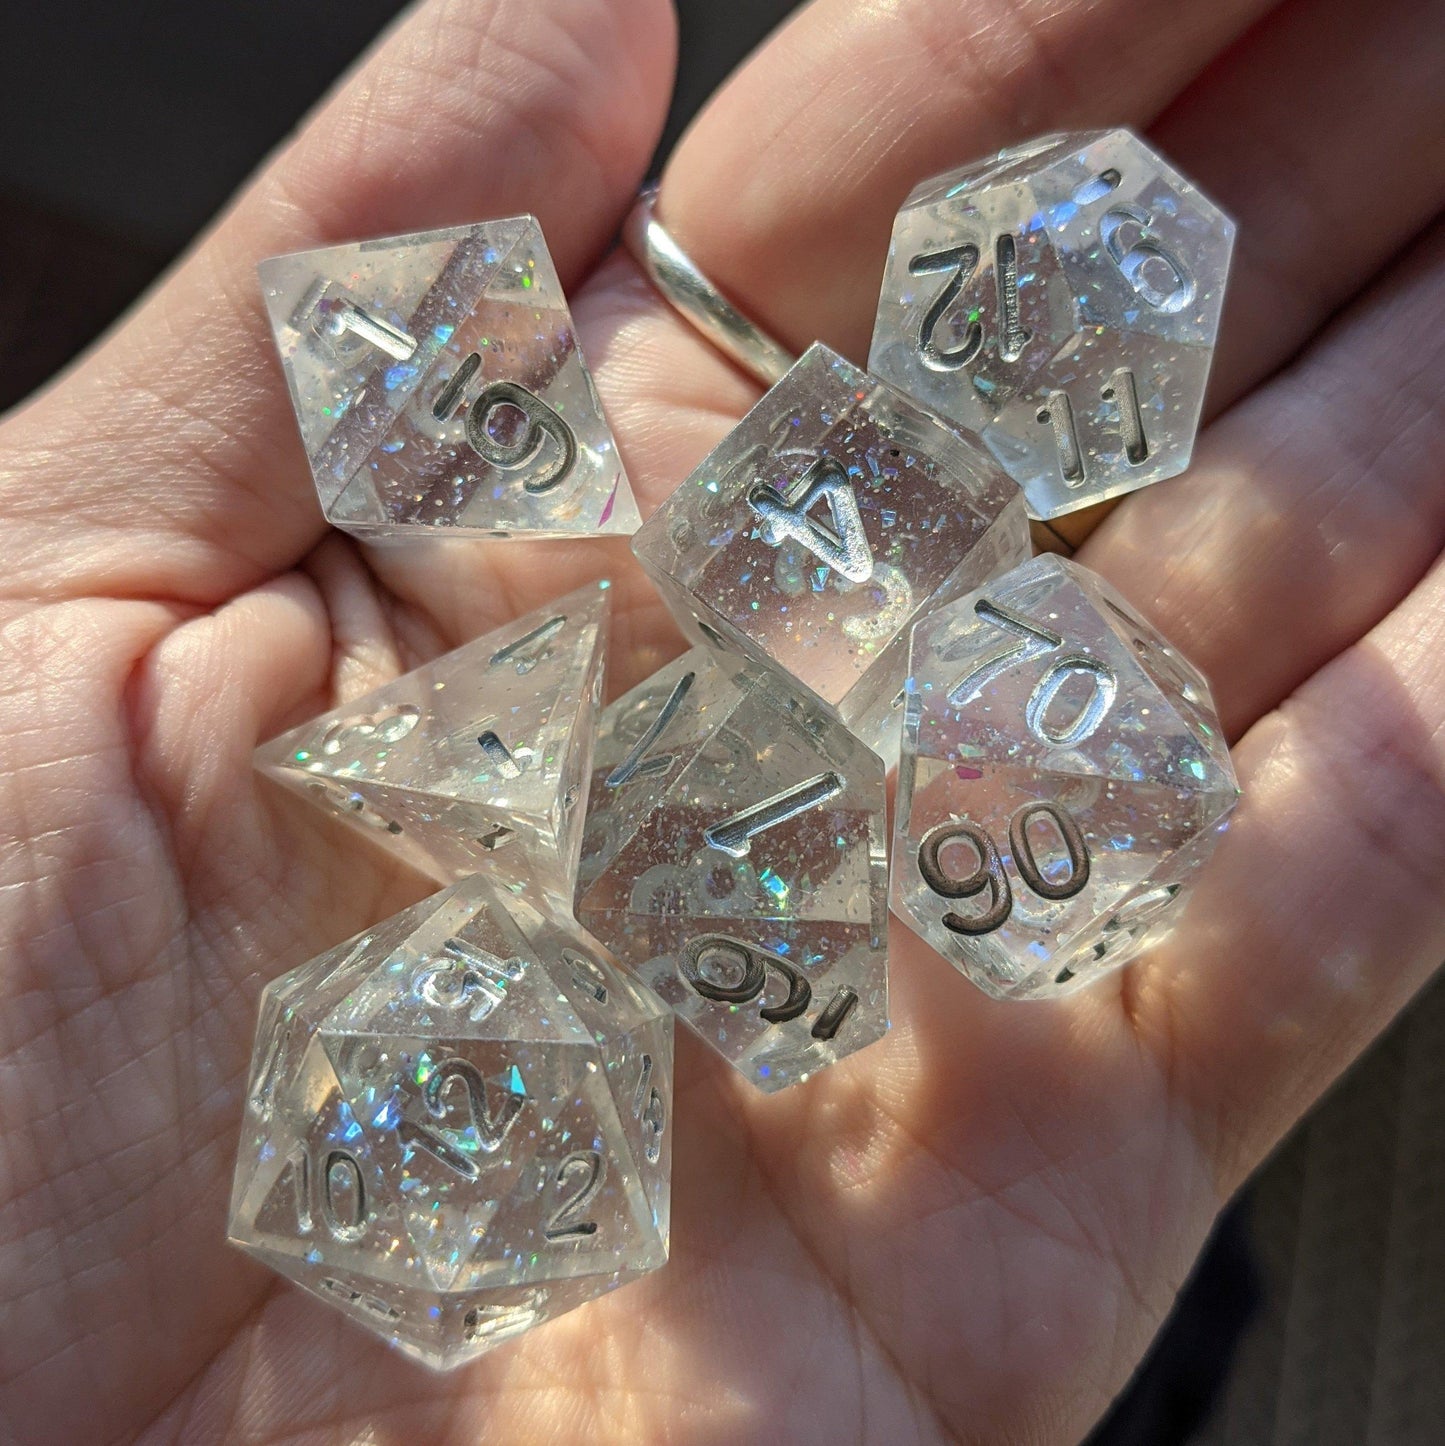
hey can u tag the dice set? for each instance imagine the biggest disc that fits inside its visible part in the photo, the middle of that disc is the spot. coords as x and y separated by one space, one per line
459 1124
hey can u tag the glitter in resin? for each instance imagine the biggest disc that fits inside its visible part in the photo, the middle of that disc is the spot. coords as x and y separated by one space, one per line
476 762
458 1125
905 513
734 857
1062 300
439 385
1063 776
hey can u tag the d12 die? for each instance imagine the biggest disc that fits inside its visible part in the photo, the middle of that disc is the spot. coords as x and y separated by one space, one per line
1063 776
1062 300
829 519
477 761
439 385
457 1125
734 857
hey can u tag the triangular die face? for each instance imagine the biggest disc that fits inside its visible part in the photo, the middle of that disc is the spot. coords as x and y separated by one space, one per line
477 761
308 1185
439 385
1027 672
509 1159
467 969
646 739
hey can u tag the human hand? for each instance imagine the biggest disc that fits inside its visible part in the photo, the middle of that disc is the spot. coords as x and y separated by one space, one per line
972 1229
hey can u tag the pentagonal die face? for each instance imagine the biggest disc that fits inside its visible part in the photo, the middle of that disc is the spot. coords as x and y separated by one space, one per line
1062 300
438 384
830 518
1063 777
733 856
476 762
457 1125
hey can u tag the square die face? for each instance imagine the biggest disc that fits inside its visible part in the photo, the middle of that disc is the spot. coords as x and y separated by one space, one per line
1064 304
438 383
824 523
748 889
1048 784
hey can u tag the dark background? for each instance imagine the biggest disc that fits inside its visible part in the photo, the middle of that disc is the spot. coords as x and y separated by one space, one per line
126 126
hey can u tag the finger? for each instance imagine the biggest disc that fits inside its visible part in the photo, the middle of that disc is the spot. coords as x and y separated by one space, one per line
1321 913
1272 132
1315 505
1323 201
168 461
784 190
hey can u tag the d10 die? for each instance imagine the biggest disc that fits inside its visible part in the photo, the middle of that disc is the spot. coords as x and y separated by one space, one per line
438 383
477 761
1063 776
734 857
1062 300
457 1125
829 519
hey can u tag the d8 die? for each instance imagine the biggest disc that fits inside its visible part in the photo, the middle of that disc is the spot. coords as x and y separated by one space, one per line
1063 777
478 760
829 519
457 1125
734 857
1062 300
439 385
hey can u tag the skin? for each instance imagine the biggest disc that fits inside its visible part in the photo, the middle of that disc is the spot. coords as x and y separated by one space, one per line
970 1232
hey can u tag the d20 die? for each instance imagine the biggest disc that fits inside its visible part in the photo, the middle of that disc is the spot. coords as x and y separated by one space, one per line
734 857
1062 300
1063 777
830 518
439 385
477 761
457 1125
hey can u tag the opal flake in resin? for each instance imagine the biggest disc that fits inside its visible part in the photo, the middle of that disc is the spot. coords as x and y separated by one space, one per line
1063 777
476 762
457 1125
733 857
1062 300
439 386
834 515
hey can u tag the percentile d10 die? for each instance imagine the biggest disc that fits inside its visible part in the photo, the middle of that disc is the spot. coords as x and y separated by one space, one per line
1063 777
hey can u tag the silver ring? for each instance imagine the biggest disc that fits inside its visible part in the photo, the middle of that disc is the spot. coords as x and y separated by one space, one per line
695 298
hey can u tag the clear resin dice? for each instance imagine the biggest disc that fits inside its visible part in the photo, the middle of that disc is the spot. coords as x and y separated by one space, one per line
478 761
458 1125
734 857
439 385
1063 776
835 514
1062 300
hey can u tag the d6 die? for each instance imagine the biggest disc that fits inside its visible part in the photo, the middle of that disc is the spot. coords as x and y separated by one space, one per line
1063 776
734 857
438 384
457 1125
829 519
1062 300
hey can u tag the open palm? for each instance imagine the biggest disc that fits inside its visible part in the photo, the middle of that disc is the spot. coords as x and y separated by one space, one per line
972 1229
